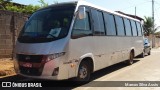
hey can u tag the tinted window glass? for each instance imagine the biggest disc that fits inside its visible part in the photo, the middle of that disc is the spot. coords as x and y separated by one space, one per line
82 27
110 24
120 26
98 22
128 27
139 29
134 29
47 25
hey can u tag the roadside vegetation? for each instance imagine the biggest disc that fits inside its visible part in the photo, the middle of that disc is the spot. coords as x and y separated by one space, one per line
28 9
148 27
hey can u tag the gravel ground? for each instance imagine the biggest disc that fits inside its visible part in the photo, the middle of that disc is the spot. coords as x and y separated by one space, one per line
6 67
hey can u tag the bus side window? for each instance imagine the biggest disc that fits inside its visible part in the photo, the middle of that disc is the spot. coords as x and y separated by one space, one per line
110 24
98 22
128 27
82 27
120 26
139 29
142 28
134 29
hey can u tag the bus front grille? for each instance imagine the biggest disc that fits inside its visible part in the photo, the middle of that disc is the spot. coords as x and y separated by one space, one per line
31 71
30 58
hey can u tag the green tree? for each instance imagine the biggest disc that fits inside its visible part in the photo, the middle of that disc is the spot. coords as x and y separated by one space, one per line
148 26
29 9
2 2
43 3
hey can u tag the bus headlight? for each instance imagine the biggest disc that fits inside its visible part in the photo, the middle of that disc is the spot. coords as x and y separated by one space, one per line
48 58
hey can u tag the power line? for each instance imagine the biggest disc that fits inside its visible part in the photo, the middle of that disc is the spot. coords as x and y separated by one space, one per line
153 12
136 5
157 7
157 2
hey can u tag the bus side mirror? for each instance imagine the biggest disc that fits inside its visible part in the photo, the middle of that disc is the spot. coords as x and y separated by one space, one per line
28 17
82 13
145 43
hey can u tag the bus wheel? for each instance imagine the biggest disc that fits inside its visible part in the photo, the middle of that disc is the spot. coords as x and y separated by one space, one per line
142 55
130 61
149 53
83 72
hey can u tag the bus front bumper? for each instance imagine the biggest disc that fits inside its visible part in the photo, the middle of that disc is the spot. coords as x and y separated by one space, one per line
53 70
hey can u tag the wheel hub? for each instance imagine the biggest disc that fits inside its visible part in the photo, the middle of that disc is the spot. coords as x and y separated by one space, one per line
83 72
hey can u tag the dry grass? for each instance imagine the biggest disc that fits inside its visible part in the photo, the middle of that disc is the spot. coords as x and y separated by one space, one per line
6 67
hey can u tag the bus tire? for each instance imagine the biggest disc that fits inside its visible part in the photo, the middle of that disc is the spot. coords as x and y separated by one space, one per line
142 55
130 60
149 53
84 72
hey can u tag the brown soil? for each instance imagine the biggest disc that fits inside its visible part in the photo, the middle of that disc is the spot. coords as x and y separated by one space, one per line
6 67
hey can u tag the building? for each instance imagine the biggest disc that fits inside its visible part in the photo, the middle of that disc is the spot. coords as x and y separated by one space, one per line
133 16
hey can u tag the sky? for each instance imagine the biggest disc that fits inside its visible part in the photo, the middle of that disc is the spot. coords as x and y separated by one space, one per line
143 7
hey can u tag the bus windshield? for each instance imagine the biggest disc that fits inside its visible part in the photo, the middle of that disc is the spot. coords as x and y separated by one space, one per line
47 25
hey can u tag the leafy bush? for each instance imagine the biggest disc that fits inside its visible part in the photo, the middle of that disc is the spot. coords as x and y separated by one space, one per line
29 9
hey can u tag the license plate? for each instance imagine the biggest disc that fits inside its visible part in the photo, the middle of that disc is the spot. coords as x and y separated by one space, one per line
27 65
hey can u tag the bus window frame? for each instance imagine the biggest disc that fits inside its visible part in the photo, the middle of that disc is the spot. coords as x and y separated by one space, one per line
90 24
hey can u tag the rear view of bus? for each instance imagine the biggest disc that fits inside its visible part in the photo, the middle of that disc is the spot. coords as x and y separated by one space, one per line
75 39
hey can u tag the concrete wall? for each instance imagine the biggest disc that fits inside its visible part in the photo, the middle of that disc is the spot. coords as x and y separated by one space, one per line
154 41
10 25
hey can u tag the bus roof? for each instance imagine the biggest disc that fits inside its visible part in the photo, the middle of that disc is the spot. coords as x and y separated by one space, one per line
82 2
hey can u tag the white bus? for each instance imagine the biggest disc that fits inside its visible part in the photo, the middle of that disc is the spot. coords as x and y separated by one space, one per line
75 39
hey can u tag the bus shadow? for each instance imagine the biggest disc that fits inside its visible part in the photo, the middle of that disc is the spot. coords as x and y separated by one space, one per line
69 84
98 74
109 70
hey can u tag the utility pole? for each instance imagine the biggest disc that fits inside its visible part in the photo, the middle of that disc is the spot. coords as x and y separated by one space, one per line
153 42
135 11
153 11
